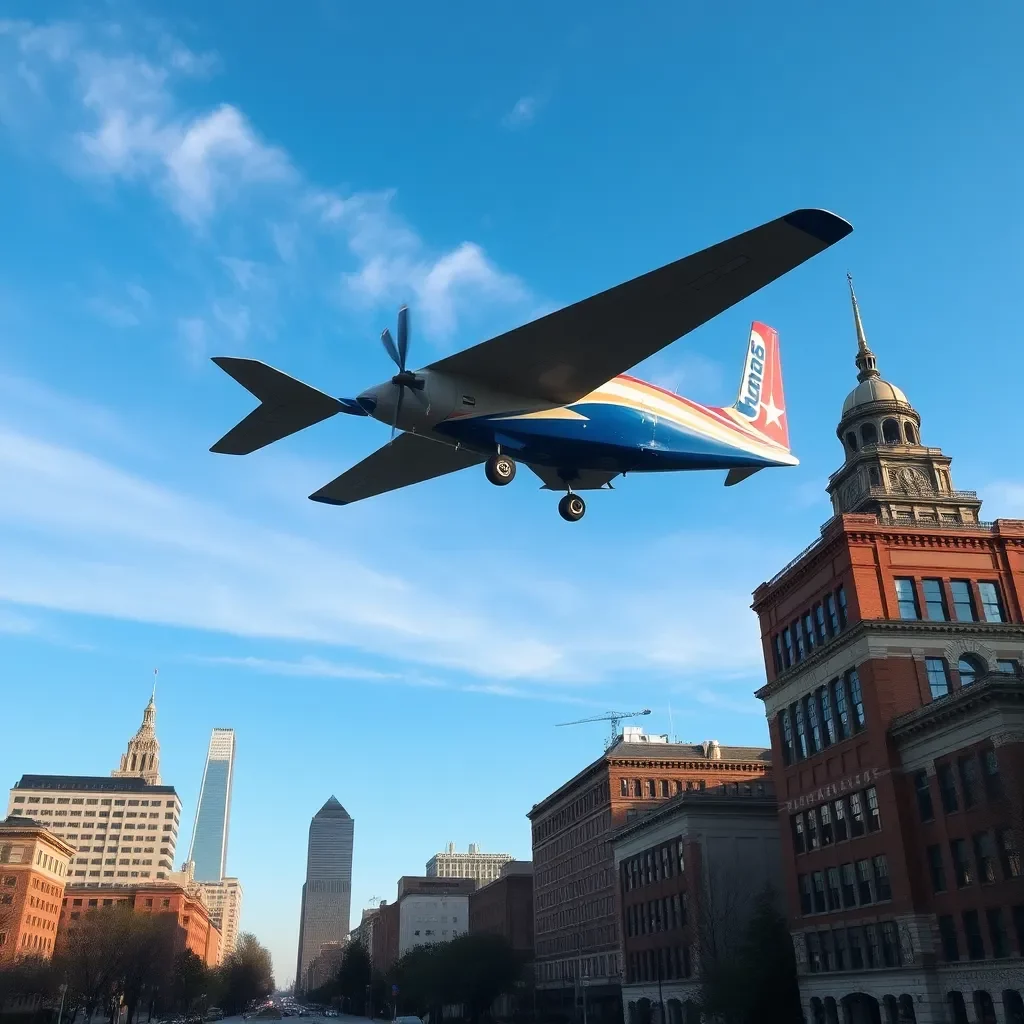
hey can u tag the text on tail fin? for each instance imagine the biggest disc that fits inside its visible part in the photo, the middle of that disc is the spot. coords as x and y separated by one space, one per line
761 400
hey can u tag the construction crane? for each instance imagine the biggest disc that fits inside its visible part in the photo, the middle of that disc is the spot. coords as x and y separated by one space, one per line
612 716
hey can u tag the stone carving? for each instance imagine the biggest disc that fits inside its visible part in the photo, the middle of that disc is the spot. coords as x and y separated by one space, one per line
1001 739
956 649
908 480
850 492
907 943
800 949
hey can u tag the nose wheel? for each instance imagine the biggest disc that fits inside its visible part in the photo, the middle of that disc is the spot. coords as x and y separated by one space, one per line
572 508
500 470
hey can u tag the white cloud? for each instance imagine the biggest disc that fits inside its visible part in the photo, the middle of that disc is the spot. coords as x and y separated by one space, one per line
523 113
16 624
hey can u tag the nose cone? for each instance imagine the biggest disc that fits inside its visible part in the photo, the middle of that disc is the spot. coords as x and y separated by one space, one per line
379 401
368 401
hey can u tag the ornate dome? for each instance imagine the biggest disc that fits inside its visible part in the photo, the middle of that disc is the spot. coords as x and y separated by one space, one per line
874 389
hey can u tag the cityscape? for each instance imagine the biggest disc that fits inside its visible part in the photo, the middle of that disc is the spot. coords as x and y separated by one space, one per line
511 514
884 821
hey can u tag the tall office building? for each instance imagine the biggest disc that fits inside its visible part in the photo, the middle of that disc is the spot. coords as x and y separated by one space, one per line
327 892
209 848
224 901
484 867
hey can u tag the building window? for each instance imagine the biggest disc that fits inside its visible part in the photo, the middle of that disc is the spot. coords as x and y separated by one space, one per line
812 721
801 732
777 652
874 816
819 618
969 668
963 601
972 933
664 787
818 881
962 871
874 956
788 750
993 782
809 634
936 869
924 796
839 943
849 886
991 603
804 884
1009 854
856 816
1007 665
853 681
844 617
797 821
799 637
997 932
787 641
970 784
827 720
863 882
856 939
833 617
906 598
825 814
985 857
938 678
934 600
834 897
947 788
947 932
842 714
880 865
650 789
890 944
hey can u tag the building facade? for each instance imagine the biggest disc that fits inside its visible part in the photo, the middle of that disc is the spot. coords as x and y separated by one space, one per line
34 867
123 829
142 759
689 874
893 650
224 900
327 891
194 930
209 847
575 920
505 907
484 867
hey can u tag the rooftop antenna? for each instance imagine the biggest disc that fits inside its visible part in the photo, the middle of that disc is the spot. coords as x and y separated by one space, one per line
156 672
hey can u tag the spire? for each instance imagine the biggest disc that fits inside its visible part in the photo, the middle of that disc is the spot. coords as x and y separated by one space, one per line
142 758
867 365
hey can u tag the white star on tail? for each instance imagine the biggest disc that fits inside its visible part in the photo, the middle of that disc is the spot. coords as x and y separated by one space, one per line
773 414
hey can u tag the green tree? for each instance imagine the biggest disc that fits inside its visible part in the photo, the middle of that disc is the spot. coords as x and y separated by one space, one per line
354 977
754 981
190 978
247 974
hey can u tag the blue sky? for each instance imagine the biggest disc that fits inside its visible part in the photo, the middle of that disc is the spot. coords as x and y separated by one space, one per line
273 181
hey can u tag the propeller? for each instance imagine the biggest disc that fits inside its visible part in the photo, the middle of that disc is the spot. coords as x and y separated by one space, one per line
404 378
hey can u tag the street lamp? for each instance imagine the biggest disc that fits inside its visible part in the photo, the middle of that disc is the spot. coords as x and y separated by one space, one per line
60 1012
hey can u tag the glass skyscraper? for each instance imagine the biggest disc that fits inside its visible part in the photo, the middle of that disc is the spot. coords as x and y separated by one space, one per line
327 893
209 849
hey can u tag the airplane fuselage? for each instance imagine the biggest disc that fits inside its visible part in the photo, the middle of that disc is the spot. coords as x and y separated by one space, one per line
626 425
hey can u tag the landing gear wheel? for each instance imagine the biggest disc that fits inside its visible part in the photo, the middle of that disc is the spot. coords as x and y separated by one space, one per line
500 470
571 508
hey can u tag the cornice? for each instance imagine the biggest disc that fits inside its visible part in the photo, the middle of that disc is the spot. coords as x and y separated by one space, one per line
997 688
696 764
887 627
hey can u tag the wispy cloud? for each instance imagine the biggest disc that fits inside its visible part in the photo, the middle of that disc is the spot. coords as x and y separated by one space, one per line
125 125
522 113
14 623
122 312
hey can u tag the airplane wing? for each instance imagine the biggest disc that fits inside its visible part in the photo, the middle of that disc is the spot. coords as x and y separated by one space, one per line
567 354
409 459
582 480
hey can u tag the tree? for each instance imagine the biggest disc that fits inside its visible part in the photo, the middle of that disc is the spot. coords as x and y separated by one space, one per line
754 981
189 979
247 974
354 976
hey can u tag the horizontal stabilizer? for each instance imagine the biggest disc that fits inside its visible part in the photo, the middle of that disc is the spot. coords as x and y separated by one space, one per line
737 476
287 406
409 459
578 480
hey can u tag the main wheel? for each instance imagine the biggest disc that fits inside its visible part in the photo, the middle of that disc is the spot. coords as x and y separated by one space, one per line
500 470
571 508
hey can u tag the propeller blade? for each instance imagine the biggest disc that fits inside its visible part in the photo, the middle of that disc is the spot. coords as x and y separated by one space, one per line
389 347
403 335
398 411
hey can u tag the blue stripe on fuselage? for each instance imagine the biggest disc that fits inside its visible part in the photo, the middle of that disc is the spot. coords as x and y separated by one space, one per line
609 436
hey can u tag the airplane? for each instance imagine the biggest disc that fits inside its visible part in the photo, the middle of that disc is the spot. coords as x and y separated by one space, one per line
554 395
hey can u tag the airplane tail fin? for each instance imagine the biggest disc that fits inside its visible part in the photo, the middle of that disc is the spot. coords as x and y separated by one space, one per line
761 401
286 406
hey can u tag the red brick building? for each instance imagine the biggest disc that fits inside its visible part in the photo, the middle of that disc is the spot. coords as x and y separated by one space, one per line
893 649
689 873
576 922
194 931
505 906
33 872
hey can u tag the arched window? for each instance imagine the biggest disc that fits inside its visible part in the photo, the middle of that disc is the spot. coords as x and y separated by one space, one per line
891 431
851 441
869 434
831 1011
133 762
908 429
970 668
907 1014
984 1010
1013 1005
817 1011
892 1013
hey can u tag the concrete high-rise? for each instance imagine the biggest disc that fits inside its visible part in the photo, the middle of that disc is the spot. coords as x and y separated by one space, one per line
484 867
224 901
327 892
209 847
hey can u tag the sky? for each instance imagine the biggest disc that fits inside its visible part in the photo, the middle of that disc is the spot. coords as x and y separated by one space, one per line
251 178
